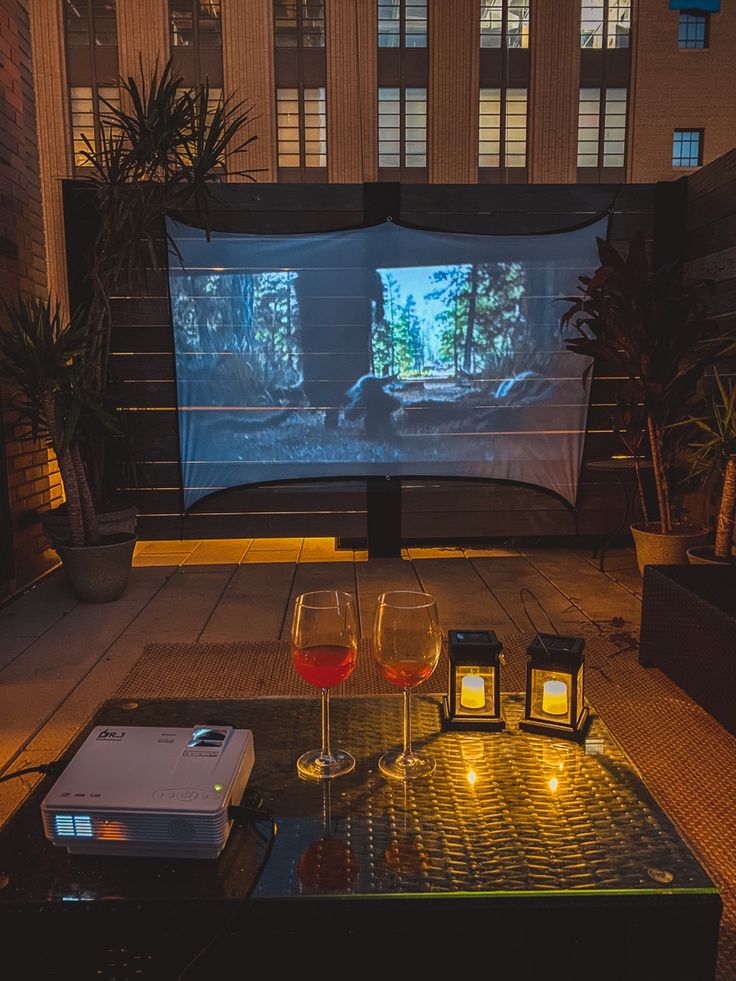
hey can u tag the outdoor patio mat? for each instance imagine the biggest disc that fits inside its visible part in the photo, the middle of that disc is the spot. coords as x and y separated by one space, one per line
685 757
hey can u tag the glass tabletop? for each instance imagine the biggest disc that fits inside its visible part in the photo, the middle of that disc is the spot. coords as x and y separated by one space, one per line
505 814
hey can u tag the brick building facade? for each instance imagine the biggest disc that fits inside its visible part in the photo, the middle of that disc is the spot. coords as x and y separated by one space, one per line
677 87
31 479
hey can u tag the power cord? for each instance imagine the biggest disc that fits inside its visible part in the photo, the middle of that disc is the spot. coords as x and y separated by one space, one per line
251 811
52 768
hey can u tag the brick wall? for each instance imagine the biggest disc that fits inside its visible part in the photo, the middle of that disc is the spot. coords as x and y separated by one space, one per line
32 478
677 88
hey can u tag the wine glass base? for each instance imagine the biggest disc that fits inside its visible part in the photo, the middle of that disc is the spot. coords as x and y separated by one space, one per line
398 765
312 765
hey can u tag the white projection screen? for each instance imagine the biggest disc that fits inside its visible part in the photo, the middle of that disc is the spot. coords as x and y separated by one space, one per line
383 350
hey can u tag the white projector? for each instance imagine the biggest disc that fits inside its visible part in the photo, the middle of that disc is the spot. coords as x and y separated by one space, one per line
140 790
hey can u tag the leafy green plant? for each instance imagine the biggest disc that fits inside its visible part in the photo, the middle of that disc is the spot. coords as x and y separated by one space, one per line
713 457
654 330
45 361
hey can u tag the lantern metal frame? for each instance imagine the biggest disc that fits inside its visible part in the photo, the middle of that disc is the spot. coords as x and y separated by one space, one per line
557 655
474 649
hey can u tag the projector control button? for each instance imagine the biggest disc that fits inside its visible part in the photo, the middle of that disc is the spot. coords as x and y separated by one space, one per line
187 795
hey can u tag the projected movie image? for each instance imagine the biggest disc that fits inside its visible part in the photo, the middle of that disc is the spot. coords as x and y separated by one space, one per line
337 364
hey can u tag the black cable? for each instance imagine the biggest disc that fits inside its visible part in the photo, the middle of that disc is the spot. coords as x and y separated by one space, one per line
41 768
525 589
251 814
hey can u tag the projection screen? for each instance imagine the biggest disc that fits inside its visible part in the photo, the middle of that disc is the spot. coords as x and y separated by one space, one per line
383 350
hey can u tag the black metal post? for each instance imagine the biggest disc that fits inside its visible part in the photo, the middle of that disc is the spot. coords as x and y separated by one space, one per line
382 201
384 517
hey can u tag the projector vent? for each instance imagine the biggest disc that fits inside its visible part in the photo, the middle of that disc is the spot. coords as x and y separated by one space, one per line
182 830
122 826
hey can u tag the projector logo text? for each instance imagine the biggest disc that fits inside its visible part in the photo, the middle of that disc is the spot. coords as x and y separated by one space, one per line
110 734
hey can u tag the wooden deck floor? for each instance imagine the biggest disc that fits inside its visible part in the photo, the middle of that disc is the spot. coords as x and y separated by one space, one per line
59 659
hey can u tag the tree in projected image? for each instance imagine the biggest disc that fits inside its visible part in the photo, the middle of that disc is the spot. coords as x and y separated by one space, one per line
383 337
242 330
482 321
275 319
398 338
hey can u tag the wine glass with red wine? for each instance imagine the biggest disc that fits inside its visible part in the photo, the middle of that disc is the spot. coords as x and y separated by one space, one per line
407 643
324 650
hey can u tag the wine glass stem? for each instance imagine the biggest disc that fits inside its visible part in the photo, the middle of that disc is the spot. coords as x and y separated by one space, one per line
326 751
407 722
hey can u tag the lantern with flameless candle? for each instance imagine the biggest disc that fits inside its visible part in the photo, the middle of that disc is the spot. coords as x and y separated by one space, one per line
473 699
555 702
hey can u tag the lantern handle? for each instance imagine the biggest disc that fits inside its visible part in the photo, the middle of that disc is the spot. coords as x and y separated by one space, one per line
525 589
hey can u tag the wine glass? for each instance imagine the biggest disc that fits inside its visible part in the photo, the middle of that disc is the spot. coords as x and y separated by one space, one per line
407 644
324 650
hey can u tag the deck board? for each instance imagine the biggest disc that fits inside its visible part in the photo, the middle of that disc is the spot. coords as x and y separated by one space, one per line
253 605
601 598
39 680
507 576
463 599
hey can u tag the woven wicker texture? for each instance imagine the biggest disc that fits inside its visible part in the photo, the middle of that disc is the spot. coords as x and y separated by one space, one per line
509 831
687 760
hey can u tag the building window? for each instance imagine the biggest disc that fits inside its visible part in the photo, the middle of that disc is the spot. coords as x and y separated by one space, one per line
299 23
195 23
602 128
90 23
687 148
605 22
693 31
504 23
502 135
90 116
402 23
302 127
402 127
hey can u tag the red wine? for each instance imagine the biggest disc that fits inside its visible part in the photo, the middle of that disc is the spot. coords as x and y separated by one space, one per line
406 673
324 665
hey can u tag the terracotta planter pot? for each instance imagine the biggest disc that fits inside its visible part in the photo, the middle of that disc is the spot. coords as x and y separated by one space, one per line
56 524
99 573
654 548
703 555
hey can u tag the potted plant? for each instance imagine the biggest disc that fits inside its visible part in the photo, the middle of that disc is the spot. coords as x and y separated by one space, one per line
713 459
655 331
47 362
162 151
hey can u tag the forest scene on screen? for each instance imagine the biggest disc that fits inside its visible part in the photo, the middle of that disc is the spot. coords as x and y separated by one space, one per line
412 370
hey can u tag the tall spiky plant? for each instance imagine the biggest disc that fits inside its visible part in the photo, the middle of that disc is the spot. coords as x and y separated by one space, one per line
713 452
45 361
655 330
163 150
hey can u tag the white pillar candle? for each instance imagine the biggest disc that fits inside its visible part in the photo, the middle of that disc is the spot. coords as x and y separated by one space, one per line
554 698
473 692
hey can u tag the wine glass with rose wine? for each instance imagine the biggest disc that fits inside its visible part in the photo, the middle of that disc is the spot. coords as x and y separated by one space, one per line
407 643
324 650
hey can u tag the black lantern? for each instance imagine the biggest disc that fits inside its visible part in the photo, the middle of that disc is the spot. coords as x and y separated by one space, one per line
473 699
554 687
